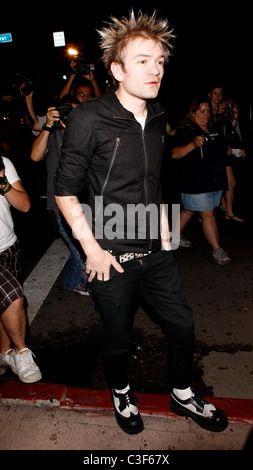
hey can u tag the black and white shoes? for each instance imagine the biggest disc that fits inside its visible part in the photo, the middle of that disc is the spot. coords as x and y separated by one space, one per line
203 413
126 411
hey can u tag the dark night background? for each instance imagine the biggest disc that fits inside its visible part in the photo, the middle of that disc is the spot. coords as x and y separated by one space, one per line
213 42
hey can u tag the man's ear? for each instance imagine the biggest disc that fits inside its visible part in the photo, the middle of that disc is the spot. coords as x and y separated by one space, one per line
117 71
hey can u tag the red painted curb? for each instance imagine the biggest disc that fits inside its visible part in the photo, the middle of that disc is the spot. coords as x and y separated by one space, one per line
54 395
33 392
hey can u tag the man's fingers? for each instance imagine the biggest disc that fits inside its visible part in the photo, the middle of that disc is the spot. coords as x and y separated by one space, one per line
91 275
103 273
117 266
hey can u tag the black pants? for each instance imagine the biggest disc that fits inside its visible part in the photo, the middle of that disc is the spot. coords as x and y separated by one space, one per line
156 279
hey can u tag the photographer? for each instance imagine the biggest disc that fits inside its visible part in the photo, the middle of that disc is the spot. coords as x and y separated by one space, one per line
81 83
200 172
12 312
48 145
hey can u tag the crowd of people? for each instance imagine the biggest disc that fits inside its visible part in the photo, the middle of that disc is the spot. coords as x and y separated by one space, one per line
112 147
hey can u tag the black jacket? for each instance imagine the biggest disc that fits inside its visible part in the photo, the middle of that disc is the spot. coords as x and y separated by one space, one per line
202 170
105 147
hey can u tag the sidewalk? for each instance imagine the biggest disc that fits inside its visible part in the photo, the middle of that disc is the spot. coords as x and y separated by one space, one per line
55 417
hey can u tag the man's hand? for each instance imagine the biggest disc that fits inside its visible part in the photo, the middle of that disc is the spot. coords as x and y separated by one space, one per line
98 264
53 115
98 261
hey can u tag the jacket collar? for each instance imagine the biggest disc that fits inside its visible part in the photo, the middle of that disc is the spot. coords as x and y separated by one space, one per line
118 110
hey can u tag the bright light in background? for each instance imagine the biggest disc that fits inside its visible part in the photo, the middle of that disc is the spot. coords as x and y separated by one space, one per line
59 39
72 51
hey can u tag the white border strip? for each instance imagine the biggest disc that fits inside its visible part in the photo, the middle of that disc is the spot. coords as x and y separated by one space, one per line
41 279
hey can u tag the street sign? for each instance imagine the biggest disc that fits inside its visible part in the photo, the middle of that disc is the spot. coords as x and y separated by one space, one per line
6 37
59 39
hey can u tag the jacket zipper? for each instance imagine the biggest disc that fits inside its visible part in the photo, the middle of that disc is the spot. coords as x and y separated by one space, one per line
145 160
145 179
117 144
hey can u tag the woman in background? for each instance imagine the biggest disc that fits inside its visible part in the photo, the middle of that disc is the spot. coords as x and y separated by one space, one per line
200 168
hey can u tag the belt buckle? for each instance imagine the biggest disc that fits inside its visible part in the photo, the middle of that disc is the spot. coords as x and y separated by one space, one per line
141 255
126 257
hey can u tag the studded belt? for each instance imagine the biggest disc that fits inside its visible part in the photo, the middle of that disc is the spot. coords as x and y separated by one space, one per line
128 256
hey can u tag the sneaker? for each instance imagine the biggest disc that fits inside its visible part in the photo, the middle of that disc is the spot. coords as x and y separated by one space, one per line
27 370
182 241
221 257
126 412
203 413
81 289
7 360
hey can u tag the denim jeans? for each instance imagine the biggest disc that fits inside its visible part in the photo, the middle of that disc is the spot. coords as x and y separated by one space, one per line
156 279
75 272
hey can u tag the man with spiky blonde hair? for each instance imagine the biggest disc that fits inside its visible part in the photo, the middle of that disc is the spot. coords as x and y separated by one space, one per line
115 37
117 143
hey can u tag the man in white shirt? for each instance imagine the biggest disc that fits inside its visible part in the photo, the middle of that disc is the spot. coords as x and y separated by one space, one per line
12 312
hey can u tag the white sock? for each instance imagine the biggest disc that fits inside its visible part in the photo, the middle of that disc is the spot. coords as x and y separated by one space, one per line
124 390
183 394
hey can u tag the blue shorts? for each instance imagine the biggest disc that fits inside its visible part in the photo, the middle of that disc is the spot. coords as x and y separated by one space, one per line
201 202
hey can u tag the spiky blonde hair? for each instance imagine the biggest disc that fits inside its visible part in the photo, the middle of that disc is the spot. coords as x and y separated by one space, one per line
119 31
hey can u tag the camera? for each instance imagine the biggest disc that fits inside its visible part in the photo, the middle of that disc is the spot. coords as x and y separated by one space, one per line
229 106
210 137
64 111
80 66
28 84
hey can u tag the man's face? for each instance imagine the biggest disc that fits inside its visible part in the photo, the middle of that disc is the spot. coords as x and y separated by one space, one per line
143 69
83 93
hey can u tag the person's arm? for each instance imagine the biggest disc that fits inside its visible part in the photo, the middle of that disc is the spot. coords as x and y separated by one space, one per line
235 115
165 230
92 80
30 108
29 103
98 261
18 197
39 146
14 193
67 87
182 151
